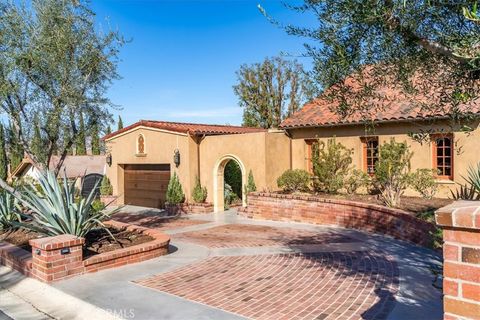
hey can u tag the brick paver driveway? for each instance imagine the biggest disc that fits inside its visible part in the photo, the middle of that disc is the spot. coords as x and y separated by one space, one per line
319 285
227 267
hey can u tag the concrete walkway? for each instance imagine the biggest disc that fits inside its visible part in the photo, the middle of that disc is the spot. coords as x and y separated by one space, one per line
117 291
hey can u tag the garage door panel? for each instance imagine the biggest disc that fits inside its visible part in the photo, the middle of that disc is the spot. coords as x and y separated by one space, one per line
146 185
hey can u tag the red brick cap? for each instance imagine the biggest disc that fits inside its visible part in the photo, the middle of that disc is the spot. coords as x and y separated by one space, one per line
188 128
57 242
460 214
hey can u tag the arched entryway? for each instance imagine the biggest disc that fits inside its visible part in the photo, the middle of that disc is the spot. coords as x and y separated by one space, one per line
219 181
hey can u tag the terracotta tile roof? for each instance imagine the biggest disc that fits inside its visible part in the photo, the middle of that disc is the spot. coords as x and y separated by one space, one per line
188 128
389 105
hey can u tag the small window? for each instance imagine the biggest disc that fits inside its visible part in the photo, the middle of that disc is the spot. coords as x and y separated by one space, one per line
140 144
370 154
309 156
443 155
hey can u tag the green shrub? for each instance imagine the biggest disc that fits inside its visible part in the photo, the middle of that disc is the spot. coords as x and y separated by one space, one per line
331 165
392 171
294 180
356 180
251 186
9 211
106 188
57 209
229 196
175 193
199 193
423 181
97 205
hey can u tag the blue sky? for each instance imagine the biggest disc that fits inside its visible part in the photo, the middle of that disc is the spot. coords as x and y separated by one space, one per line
181 63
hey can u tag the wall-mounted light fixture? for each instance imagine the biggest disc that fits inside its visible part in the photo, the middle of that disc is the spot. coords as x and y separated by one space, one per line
108 159
176 157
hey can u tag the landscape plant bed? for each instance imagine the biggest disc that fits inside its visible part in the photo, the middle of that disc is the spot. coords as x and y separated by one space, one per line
100 241
414 205
19 237
32 254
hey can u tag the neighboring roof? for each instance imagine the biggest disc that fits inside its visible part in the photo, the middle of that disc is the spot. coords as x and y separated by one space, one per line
390 105
22 167
73 166
187 128
78 166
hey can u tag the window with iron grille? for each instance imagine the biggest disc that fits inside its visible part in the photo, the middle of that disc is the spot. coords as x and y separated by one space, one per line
443 155
370 154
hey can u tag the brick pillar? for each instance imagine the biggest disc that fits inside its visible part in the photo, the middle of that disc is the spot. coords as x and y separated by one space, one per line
56 258
461 254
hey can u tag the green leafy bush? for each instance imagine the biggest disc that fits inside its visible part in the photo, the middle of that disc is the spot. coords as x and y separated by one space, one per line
106 188
199 193
423 181
356 180
392 171
294 180
175 193
331 165
97 205
229 196
57 209
9 211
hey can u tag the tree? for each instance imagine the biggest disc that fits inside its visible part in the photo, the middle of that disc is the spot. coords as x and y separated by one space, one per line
3 155
120 123
270 91
80 144
108 130
56 64
15 148
424 48
37 144
95 139
175 193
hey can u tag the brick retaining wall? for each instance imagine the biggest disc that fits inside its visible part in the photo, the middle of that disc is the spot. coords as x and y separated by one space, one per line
60 257
348 214
461 255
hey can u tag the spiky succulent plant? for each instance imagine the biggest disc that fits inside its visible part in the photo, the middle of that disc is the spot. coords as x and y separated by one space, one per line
58 209
9 212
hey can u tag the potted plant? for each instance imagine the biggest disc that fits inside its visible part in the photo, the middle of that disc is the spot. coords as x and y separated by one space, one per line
175 196
106 192
199 196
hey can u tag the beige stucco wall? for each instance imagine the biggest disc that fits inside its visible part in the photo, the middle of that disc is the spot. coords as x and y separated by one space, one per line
465 154
267 154
159 149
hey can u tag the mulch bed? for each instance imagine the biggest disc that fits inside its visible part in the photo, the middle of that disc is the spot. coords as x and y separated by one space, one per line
96 242
19 237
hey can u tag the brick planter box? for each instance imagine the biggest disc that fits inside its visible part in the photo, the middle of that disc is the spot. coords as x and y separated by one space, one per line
349 214
197 208
189 208
109 200
461 254
60 257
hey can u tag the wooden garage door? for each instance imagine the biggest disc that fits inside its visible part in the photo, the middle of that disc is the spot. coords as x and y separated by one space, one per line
146 184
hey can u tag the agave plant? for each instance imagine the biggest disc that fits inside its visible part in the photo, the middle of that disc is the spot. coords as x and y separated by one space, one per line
9 213
466 192
473 177
57 209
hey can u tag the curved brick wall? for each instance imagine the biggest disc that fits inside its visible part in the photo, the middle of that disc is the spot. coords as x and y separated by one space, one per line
349 214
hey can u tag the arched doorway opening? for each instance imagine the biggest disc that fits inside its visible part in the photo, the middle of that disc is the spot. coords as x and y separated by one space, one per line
219 177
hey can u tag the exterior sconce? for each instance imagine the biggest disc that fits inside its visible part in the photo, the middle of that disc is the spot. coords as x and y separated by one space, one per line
176 158
108 159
